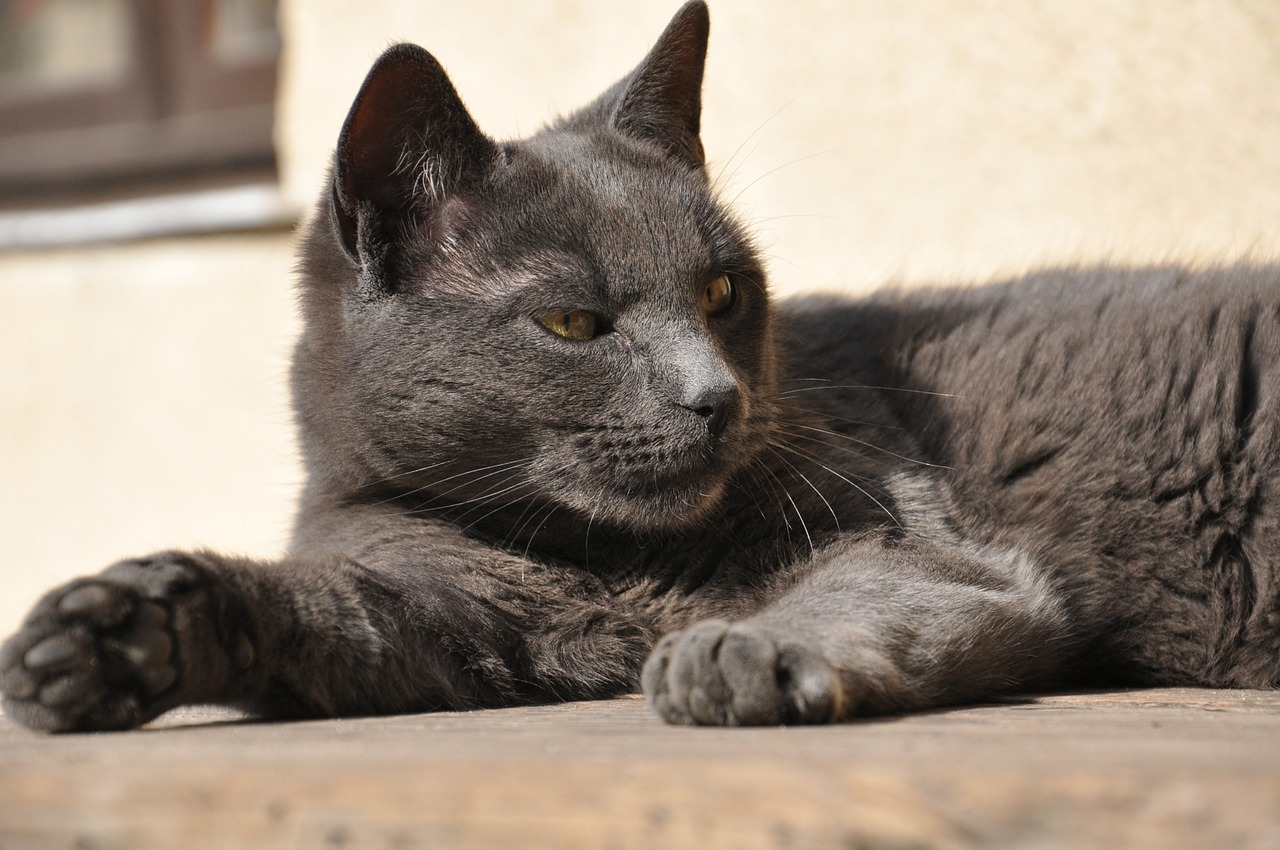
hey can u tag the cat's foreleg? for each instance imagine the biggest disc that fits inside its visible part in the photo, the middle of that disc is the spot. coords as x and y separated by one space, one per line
312 637
869 629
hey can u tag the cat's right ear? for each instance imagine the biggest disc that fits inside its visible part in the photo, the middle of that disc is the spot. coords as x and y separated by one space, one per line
407 143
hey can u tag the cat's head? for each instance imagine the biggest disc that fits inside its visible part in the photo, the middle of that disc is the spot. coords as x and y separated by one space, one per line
569 319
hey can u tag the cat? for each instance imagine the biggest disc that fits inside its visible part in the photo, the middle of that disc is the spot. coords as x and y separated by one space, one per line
560 445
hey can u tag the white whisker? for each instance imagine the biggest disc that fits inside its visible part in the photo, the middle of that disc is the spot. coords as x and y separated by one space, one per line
720 173
498 469
872 446
852 484
812 486
789 393
778 168
794 507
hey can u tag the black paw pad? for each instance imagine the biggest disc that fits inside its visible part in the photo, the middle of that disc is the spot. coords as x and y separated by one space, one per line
99 603
93 654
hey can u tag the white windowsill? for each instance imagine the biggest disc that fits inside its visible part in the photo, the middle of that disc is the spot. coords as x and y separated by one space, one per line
238 208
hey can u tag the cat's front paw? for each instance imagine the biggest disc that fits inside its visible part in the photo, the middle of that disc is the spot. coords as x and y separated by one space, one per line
717 673
100 652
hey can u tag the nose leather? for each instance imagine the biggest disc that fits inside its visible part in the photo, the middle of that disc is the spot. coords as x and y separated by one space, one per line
714 403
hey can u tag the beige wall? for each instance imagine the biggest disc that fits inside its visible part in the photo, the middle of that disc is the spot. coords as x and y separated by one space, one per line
142 400
869 139
142 405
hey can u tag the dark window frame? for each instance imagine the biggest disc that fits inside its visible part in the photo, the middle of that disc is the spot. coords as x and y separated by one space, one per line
178 114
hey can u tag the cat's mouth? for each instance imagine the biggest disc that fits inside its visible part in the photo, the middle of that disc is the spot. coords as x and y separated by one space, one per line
657 496
664 475
657 506
681 499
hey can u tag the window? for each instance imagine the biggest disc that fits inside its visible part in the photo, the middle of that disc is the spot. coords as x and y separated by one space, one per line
103 99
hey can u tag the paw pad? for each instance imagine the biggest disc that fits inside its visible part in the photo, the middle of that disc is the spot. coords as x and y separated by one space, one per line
93 654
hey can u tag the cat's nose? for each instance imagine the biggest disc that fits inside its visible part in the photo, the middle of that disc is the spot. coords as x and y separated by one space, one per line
715 404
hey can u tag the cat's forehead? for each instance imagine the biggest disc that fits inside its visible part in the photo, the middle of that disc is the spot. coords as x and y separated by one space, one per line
559 276
587 172
582 210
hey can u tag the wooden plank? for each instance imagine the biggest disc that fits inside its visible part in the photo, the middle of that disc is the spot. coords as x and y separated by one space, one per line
1162 768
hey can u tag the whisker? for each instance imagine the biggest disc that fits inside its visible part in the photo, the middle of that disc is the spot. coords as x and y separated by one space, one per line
778 168
586 538
760 479
844 419
760 287
752 135
789 393
519 524
768 218
873 446
723 182
749 491
794 506
552 506
852 484
486 499
870 482
764 478
790 262
501 506
806 480
386 478
498 468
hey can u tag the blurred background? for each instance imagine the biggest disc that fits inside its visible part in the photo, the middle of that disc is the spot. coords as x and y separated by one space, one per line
156 154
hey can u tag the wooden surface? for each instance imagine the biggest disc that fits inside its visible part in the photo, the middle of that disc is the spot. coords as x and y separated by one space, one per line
1157 768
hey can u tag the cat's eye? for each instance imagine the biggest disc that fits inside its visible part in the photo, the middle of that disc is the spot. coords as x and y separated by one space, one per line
571 324
718 296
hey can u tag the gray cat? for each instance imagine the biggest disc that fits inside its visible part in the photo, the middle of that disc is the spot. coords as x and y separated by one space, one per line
553 427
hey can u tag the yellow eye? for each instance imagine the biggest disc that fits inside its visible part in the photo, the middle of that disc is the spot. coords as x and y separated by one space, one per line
570 324
718 296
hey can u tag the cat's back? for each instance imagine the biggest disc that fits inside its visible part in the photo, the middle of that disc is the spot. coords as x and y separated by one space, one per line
1159 369
1119 425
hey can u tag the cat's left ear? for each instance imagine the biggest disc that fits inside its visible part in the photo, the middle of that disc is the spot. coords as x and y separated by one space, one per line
661 101
408 143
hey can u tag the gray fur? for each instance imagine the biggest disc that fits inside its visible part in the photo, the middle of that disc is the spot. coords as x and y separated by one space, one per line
801 512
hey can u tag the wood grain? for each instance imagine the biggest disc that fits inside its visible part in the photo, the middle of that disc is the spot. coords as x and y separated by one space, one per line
1159 768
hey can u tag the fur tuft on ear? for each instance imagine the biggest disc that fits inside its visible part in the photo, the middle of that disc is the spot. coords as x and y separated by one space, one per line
407 143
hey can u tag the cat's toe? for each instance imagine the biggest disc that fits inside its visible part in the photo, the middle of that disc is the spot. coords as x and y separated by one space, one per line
740 674
93 654
699 683
653 679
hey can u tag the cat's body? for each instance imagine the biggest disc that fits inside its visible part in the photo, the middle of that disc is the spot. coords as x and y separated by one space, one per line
549 418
